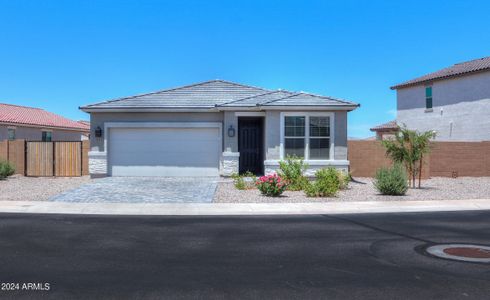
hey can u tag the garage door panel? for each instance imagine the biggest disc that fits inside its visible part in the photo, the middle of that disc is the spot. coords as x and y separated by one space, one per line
164 151
167 171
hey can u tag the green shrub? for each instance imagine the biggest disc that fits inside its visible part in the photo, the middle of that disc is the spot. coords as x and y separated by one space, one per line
327 183
344 179
241 183
291 170
391 181
238 181
6 169
271 185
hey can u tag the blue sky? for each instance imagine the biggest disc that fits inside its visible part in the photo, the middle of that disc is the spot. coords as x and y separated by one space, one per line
59 55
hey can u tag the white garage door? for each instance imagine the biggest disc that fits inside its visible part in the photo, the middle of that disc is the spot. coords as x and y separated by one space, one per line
164 151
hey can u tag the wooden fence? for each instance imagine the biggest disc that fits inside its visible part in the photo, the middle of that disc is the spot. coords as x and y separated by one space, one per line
61 159
446 159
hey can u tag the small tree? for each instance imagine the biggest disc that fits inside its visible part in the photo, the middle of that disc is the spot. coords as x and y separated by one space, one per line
408 148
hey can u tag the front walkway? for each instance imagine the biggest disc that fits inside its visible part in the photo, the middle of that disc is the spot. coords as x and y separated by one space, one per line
143 190
242 208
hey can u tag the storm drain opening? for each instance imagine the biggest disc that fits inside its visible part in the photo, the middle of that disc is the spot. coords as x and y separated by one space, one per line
461 252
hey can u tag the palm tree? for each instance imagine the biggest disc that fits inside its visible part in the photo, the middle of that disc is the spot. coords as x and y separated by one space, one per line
408 148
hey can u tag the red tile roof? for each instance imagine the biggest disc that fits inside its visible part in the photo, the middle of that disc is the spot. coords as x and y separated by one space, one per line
390 126
23 115
460 69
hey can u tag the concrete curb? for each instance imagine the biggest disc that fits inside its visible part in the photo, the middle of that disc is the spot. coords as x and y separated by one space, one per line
192 209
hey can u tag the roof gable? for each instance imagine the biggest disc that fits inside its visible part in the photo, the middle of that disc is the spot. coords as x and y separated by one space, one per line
389 126
202 95
459 69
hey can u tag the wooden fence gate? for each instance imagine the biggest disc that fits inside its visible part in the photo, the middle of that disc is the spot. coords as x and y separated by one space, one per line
54 159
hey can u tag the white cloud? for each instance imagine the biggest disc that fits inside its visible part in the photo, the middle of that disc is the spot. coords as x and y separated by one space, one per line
392 113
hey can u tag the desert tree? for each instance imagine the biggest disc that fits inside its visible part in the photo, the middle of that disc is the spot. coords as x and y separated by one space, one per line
408 147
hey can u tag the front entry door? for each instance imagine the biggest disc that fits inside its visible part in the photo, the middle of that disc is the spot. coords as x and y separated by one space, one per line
250 145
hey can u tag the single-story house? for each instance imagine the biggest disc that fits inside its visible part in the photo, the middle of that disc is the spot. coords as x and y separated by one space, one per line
386 130
216 128
36 124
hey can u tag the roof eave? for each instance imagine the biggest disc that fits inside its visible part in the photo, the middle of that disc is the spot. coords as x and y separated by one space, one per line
384 129
307 107
148 109
19 124
426 81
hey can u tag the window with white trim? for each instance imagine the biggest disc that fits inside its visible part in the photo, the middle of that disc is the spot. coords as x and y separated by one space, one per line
307 136
294 136
319 138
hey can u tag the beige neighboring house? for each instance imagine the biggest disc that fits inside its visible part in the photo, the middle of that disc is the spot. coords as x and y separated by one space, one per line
386 130
35 124
454 102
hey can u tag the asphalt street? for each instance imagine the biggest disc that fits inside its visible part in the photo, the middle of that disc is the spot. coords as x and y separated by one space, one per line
363 256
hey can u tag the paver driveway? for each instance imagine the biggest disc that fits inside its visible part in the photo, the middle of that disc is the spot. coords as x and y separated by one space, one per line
143 190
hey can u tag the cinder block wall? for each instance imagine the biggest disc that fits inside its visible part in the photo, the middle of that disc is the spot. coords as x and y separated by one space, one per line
460 159
446 159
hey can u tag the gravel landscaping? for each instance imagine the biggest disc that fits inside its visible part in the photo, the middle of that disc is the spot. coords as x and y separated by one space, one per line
20 188
439 188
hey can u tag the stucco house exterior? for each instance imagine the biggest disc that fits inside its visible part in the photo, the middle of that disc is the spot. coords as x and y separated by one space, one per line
215 128
35 124
455 102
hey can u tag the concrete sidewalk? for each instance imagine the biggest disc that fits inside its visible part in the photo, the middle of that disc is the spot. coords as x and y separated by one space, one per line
242 208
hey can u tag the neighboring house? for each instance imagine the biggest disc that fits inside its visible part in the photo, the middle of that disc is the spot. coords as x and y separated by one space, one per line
215 128
455 102
35 124
85 136
386 130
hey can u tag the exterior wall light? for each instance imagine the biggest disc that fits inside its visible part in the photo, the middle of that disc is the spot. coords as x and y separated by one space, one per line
231 131
98 132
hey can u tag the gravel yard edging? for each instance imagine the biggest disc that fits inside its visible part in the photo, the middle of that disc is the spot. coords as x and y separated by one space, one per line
22 188
438 188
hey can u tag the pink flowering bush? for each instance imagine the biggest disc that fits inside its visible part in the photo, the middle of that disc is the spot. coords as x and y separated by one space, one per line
271 185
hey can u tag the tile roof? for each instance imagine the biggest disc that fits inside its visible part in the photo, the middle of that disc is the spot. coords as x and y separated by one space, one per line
84 122
23 115
390 126
306 99
460 69
217 93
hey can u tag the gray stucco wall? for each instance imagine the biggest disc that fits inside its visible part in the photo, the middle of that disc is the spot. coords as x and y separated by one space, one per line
273 135
230 157
341 135
35 134
230 143
461 108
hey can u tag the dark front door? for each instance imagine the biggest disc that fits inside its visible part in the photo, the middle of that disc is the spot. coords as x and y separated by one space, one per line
250 145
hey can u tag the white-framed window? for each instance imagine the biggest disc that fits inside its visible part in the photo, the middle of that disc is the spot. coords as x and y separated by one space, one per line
308 135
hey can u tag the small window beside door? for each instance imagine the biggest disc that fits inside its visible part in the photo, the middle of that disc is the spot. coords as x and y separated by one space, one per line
428 98
46 136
